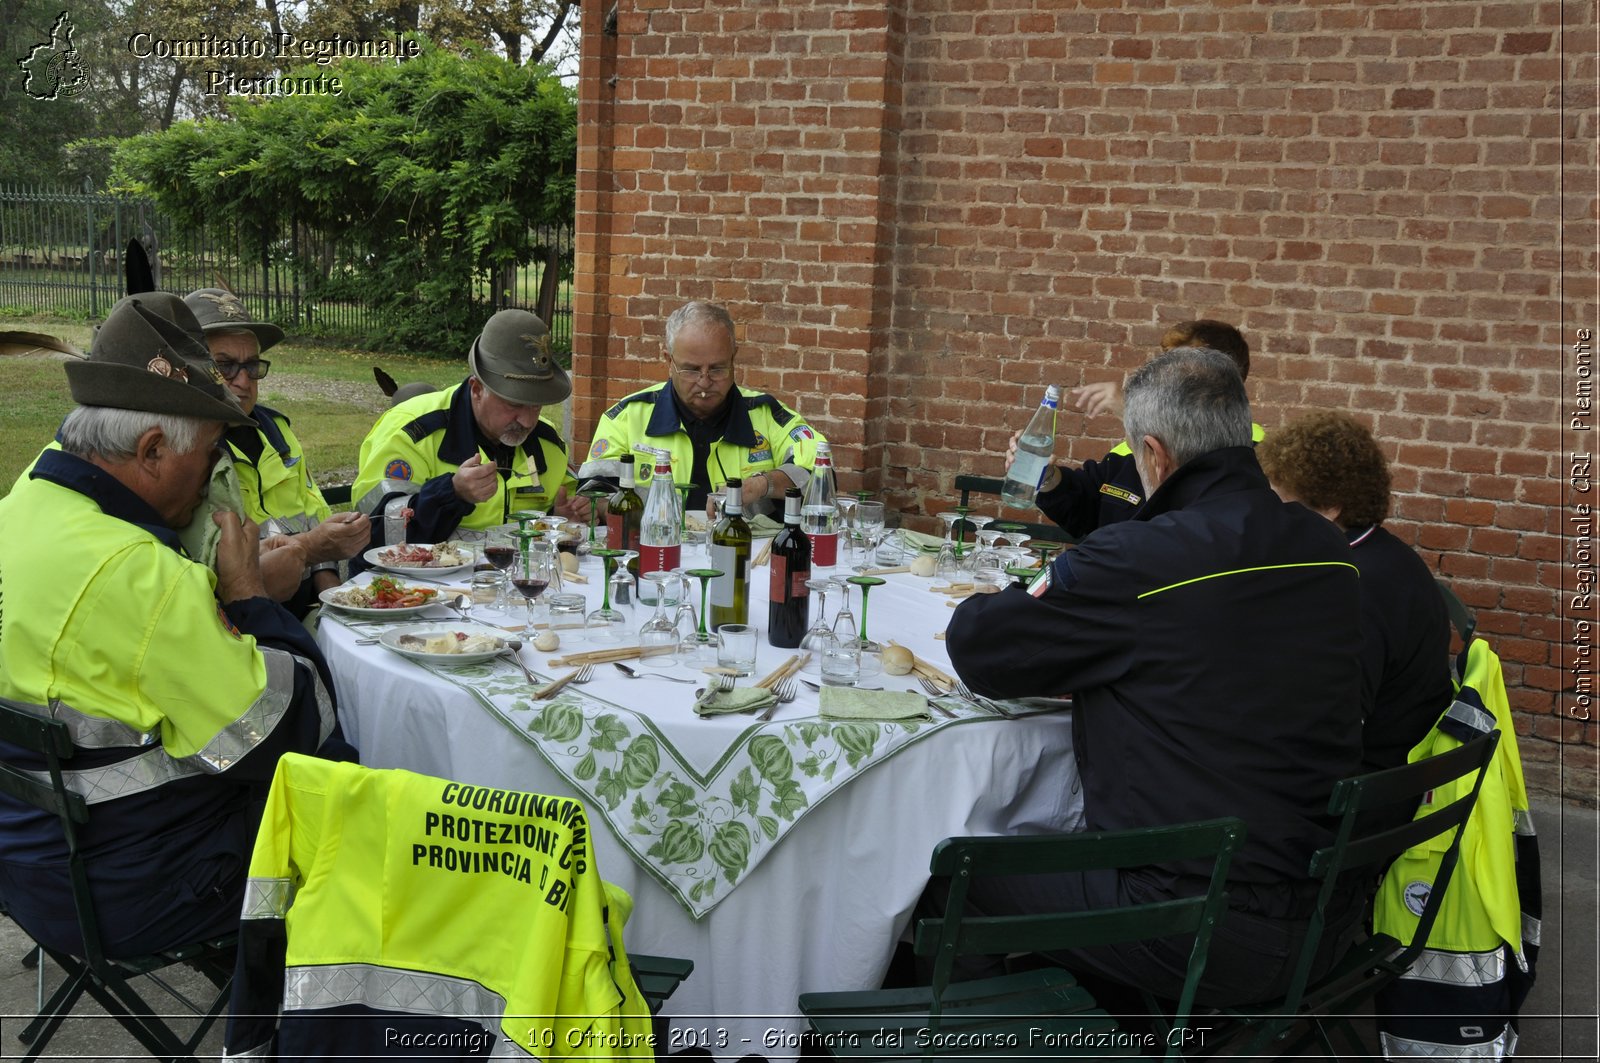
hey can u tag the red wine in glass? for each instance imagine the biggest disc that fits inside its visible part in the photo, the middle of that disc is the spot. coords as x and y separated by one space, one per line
530 588
500 556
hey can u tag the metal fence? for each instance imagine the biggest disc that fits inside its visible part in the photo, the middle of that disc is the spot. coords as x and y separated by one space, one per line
61 254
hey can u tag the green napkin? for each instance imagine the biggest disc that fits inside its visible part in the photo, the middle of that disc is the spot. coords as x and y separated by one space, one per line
763 526
201 535
848 703
739 699
915 540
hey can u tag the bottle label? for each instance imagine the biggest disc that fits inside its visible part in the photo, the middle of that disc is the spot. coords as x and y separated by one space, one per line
1028 469
726 560
659 558
614 532
787 584
824 548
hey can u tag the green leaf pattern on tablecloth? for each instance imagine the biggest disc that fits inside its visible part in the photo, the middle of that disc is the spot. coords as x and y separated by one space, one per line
699 835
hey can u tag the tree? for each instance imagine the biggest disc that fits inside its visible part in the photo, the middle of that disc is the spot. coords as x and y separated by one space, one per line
429 171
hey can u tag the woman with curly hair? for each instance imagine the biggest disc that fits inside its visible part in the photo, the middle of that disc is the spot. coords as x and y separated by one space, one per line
1329 463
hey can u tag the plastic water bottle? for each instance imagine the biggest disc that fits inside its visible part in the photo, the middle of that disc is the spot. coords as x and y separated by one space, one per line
395 515
1035 449
819 514
659 543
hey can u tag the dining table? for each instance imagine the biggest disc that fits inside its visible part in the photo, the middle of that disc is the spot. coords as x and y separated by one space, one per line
781 855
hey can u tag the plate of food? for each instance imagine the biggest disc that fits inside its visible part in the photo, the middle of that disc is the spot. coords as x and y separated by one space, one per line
436 559
456 644
384 596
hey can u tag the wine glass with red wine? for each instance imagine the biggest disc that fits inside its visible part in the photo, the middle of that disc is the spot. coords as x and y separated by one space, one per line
532 573
499 551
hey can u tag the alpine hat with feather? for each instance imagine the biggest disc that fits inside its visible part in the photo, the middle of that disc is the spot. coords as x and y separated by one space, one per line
150 355
512 358
219 310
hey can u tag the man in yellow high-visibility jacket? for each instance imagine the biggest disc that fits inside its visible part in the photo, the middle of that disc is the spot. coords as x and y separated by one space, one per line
275 481
182 686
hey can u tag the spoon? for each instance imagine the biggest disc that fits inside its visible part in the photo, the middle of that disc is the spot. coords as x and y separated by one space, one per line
514 645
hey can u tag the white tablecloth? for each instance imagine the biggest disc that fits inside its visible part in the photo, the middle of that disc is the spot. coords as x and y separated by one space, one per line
824 908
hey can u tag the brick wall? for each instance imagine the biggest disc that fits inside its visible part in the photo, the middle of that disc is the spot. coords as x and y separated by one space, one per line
922 211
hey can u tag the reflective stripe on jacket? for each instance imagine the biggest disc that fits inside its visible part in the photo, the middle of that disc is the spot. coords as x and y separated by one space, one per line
473 912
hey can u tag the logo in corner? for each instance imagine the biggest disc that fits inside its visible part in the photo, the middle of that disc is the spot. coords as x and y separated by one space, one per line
397 470
53 69
1416 896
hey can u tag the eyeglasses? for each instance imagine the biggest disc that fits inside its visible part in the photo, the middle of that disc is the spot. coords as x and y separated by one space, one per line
710 372
255 370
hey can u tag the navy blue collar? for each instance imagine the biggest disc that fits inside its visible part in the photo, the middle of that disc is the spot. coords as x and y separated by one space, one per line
1220 471
266 420
105 491
668 418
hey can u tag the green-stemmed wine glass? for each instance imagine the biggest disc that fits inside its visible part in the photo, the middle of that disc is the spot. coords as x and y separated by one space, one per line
595 496
702 648
1044 548
961 532
871 652
1022 574
605 624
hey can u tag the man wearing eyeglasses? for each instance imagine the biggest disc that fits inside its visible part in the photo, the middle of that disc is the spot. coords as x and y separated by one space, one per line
713 428
275 482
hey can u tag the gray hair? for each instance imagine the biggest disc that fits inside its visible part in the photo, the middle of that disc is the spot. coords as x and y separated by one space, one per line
1190 398
112 433
700 313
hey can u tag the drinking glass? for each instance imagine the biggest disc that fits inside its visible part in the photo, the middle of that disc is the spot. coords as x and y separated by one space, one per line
684 619
841 664
684 535
701 648
736 648
595 496
847 508
532 573
658 638
623 588
871 652
500 550
844 622
869 522
607 624
818 637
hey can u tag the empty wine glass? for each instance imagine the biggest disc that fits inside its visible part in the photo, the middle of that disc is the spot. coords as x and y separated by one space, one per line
1009 530
818 636
658 638
844 622
684 619
847 523
869 522
595 496
871 652
607 624
978 524
702 647
532 574
684 534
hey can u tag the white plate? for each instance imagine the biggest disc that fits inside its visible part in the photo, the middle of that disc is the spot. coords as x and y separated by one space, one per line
326 598
373 559
391 639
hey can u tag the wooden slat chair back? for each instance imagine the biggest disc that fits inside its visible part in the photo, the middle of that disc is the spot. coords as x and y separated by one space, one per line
1040 1011
1358 856
106 980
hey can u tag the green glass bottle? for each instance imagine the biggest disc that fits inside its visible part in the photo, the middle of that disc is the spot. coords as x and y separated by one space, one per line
624 515
730 552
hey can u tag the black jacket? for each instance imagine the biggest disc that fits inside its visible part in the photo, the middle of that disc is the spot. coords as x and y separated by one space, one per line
1213 644
1094 494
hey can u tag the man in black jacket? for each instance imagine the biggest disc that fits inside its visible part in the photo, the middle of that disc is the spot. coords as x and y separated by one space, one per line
1213 644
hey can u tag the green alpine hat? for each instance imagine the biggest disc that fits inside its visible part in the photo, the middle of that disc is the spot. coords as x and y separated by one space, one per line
150 354
512 358
218 310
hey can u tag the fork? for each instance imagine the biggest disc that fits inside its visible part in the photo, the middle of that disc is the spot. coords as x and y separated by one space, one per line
933 688
993 706
784 691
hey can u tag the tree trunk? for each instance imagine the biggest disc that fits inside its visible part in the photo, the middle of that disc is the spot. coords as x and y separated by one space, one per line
556 23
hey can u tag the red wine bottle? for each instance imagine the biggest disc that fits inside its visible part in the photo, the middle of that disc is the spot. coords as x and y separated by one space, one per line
788 599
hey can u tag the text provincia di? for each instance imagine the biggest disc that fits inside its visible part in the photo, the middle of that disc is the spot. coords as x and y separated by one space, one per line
283 48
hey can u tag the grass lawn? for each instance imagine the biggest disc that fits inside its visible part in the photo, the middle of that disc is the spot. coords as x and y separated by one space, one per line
327 392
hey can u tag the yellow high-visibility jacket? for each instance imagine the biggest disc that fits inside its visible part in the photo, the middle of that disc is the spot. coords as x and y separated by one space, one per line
458 915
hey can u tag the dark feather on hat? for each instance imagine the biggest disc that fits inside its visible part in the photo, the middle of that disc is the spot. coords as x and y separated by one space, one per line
137 277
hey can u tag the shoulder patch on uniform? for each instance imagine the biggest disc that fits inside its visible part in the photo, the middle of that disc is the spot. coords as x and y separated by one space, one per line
1041 582
1121 493
1415 895
801 431
397 469
227 624
599 448
426 425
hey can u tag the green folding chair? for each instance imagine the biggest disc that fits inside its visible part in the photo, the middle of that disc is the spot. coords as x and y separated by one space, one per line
1318 1010
1038 1012
108 981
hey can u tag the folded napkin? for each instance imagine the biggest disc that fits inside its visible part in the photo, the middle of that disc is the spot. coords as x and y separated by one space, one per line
848 703
915 540
762 526
739 699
